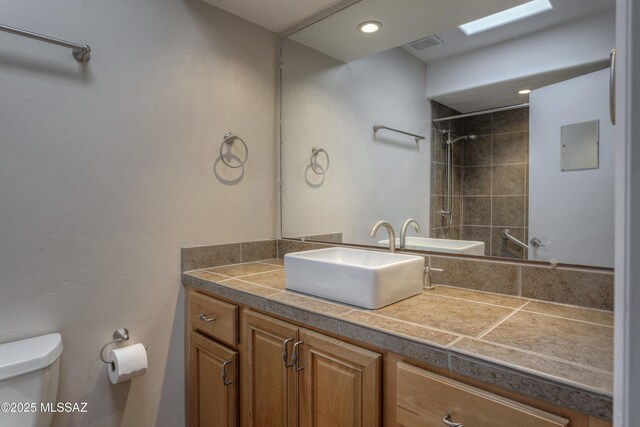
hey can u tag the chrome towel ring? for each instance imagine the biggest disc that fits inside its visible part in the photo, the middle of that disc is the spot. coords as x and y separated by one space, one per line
314 160
228 140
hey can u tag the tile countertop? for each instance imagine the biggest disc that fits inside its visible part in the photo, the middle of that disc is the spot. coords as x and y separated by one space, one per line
557 353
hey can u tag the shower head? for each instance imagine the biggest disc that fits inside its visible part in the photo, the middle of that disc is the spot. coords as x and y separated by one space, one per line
460 138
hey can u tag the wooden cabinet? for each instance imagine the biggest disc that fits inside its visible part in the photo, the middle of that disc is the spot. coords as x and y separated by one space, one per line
339 383
269 389
280 374
425 398
293 376
213 383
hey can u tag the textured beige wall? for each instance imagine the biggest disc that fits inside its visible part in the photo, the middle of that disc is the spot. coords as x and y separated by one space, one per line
107 170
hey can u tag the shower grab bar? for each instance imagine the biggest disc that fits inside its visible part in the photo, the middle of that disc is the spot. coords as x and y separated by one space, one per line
81 52
506 234
378 127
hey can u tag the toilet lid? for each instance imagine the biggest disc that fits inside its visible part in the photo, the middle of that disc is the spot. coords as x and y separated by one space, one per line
20 357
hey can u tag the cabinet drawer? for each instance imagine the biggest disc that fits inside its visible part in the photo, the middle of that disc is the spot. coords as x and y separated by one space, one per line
213 317
424 399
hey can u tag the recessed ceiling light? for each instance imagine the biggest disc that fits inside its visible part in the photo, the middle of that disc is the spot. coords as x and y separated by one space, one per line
506 16
369 26
525 91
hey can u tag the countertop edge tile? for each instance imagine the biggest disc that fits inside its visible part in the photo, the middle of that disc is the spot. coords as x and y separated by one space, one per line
561 394
580 399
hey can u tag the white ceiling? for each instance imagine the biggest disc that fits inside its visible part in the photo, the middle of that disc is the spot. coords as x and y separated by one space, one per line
506 92
402 21
456 42
276 15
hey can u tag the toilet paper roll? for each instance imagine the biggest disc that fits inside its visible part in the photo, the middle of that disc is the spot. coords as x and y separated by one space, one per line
127 363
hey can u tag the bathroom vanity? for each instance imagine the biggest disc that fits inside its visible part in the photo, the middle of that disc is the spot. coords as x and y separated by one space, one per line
259 355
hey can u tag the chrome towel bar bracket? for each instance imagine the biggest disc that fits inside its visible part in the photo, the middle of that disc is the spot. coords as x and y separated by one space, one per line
228 141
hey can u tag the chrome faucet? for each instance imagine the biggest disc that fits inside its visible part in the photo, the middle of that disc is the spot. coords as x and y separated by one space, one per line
403 231
392 233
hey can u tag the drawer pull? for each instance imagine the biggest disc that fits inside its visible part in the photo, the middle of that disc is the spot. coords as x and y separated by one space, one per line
285 354
204 318
224 373
295 358
447 421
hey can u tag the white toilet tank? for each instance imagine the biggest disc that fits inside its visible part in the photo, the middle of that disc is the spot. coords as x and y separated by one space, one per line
29 375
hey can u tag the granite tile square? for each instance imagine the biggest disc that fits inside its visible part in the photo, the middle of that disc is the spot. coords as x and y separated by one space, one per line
287 246
478 152
227 292
272 279
477 181
210 256
459 316
399 345
576 313
584 343
243 269
254 251
507 211
480 234
575 287
504 248
250 288
478 275
445 232
400 327
438 147
509 148
508 180
484 297
206 275
478 125
556 369
510 121
310 303
476 210
458 174
328 237
275 261
438 179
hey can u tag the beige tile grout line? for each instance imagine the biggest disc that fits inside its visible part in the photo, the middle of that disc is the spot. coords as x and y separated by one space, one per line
500 322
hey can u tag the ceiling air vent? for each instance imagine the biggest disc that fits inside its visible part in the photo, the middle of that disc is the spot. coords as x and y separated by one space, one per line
425 42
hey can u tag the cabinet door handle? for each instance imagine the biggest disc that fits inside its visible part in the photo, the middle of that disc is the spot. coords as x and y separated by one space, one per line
285 353
447 421
224 372
612 87
204 318
295 357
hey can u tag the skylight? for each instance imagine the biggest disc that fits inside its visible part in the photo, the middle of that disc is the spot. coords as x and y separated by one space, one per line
506 16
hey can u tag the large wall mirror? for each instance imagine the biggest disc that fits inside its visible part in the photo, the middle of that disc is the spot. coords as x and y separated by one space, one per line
452 113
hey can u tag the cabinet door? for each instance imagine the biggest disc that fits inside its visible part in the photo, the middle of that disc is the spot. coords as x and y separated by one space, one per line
339 383
213 386
269 389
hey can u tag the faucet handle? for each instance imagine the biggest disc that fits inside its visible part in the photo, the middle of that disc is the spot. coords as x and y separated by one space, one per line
426 278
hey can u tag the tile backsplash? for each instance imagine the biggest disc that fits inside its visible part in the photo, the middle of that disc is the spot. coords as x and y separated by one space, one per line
591 288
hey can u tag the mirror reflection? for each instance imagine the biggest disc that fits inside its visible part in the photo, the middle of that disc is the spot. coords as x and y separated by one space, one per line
461 117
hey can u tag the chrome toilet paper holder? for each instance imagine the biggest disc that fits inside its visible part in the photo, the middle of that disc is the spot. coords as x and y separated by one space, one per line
119 335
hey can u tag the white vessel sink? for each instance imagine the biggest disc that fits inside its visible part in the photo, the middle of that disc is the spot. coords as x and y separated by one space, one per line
467 247
362 278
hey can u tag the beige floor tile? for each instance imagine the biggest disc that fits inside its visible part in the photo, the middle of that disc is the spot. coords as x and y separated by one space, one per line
577 313
496 299
273 279
311 303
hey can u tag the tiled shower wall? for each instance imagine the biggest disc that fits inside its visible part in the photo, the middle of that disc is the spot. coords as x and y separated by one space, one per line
490 179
